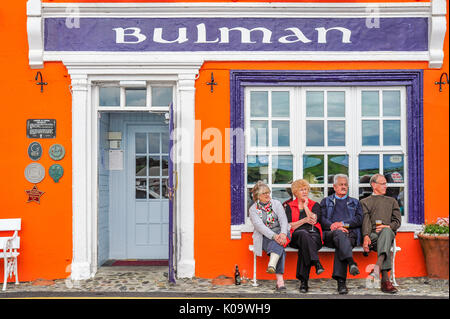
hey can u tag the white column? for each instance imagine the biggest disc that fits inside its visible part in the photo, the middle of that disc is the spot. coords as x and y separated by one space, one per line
185 164
81 263
438 27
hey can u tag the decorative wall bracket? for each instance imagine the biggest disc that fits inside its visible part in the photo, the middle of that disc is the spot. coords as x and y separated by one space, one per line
440 81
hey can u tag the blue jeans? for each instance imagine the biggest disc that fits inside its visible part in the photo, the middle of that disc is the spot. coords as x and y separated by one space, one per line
271 246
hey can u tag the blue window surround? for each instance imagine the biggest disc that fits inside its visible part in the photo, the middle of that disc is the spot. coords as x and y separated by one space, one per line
411 79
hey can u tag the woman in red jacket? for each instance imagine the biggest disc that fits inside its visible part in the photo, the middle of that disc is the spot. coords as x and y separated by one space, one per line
306 233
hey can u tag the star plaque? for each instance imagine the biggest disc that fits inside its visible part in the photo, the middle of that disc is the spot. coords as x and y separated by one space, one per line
34 195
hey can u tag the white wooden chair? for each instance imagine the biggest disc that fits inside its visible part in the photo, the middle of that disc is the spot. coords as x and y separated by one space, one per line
8 248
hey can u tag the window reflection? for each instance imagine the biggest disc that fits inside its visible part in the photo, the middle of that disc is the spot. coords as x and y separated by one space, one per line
336 133
314 104
280 133
336 104
280 104
282 169
162 96
109 96
259 104
370 133
313 168
136 97
257 168
314 133
370 103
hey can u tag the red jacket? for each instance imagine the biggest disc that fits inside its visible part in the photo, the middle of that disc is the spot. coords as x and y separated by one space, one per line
295 214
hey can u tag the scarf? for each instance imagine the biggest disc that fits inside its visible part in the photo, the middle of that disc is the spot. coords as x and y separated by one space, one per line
270 220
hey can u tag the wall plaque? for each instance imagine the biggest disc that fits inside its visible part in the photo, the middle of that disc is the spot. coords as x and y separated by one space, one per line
34 195
56 172
57 152
34 173
35 151
41 128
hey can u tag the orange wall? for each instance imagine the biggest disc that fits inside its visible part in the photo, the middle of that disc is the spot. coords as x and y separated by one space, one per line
46 236
46 245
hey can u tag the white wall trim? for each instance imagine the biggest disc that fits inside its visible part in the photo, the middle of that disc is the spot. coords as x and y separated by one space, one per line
84 157
35 33
437 30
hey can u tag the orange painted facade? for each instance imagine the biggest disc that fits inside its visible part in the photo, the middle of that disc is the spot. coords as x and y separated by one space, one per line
46 235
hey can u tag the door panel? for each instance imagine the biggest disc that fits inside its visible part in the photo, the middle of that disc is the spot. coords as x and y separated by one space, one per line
148 204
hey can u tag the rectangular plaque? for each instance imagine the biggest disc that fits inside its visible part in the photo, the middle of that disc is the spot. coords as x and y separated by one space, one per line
41 128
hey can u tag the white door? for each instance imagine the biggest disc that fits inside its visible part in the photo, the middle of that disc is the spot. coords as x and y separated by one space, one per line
147 192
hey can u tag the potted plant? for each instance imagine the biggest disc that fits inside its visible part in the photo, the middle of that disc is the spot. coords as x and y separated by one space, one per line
434 241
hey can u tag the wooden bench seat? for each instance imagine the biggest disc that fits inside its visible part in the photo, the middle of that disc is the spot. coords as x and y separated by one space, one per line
324 249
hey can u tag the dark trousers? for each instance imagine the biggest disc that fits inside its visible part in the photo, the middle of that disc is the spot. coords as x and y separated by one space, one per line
308 245
343 243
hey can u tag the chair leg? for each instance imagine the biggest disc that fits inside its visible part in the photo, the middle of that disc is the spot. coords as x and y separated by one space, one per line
394 251
254 271
5 280
16 274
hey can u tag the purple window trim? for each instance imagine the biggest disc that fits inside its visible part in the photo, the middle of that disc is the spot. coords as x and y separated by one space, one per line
412 79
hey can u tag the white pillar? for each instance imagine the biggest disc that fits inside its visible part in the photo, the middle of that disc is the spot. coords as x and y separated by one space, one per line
185 164
81 260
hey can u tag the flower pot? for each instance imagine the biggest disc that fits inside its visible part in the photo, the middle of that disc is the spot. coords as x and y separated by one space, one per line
435 250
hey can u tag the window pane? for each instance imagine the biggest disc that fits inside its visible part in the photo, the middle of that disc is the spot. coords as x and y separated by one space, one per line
370 133
281 194
141 166
391 103
337 164
259 104
393 168
141 143
136 97
314 104
153 188
280 104
313 168
316 194
336 104
259 133
153 142
391 132
165 190
336 133
141 188
154 165
280 133
165 142
370 103
282 169
165 166
364 192
314 133
257 168
368 165
161 96
399 194
109 96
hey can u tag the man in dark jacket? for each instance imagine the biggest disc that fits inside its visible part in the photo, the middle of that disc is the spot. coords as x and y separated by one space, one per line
341 222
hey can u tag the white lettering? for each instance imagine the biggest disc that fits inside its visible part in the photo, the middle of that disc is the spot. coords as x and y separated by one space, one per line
245 34
322 34
297 36
136 33
201 34
157 36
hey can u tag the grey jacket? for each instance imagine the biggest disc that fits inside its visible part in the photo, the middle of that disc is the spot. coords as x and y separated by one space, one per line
260 229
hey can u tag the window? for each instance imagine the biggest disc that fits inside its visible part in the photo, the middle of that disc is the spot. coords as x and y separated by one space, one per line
134 96
317 132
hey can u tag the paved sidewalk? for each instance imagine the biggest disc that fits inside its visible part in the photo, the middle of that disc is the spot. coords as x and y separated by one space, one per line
151 282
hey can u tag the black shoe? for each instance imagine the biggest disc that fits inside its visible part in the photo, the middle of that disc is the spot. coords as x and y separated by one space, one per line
342 287
353 269
304 287
319 268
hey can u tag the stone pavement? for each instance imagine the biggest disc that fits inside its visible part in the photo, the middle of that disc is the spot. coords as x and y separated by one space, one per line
152 281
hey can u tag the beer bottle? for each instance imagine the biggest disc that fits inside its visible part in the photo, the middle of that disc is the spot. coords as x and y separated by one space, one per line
237 276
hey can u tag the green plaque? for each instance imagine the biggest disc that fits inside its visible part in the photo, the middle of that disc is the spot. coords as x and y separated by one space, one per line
56 171
57 152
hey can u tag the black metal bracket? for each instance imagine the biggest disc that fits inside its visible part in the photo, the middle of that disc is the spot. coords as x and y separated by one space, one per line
212 83
41 83
440 81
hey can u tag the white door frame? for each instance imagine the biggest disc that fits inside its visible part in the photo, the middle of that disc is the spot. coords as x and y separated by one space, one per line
84 156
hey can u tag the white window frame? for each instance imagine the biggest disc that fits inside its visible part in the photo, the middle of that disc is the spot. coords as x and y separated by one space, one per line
353 137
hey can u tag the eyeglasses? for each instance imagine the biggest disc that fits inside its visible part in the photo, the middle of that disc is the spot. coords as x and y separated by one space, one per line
382 184
266 193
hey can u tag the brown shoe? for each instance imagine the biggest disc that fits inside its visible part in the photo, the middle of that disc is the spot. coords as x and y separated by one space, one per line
387 287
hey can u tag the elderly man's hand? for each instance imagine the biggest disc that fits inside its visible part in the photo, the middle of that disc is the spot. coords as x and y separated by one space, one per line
366 243
336 225
380 227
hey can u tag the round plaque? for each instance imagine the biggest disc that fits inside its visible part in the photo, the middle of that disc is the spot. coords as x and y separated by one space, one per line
56 172
57 152
35 151
34 173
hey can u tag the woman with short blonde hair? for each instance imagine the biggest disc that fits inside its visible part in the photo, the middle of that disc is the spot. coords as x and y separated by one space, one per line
306 233
270 230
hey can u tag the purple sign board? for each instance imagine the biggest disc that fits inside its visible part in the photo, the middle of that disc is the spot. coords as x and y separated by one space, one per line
231 34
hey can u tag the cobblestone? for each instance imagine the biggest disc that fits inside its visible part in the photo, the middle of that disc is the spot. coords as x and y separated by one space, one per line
154 279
